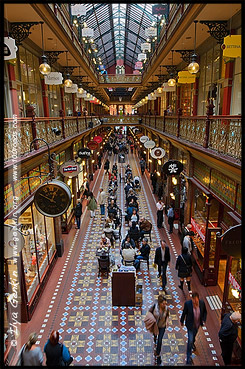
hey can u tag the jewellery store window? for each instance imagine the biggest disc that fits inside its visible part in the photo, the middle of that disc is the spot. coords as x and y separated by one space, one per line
39 247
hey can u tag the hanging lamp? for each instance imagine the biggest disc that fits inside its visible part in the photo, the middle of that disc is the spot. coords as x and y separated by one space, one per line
193 67
80 89
68 81
172 81
44 67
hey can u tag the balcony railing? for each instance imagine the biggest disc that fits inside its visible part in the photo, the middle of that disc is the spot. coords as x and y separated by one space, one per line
120 78
222 134
17 138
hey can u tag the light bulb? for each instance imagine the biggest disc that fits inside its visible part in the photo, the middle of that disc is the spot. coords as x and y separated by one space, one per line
68 81
171 82
80 90
44 68
159 90
193 67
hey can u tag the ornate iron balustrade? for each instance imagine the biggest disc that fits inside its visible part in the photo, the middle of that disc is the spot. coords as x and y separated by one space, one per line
19 138
121 120
222 134
120 78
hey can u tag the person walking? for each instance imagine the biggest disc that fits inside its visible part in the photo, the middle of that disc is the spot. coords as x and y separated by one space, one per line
30 354
107 166
228 334
57 354
101 201
185 231
142 166
194 314
187 242
160 206
170 215
99 161
161 313
154 180
92 204
162 258
78 210
184 267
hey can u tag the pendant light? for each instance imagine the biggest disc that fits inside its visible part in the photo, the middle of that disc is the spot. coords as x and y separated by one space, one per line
193 67
172 81
68 81
80 89
44 67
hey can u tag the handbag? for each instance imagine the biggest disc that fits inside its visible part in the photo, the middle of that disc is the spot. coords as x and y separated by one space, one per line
189 267
63 362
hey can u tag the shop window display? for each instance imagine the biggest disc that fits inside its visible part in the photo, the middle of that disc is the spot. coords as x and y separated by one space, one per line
29 254
41 244
8 198
50 236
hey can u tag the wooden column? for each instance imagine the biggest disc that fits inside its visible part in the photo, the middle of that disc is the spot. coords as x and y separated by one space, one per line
45 98
13 90
62 100
229 67
195 97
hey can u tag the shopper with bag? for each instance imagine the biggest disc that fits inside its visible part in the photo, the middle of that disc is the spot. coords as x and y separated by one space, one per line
30 354
57 354
161 313
92 204
184 267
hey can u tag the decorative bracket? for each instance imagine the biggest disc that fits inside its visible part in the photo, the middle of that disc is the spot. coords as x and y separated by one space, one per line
52 56
217 29
171 69
77 79
69 70
185 55
21 30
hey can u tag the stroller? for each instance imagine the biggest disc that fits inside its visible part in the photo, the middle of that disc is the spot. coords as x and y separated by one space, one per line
137 186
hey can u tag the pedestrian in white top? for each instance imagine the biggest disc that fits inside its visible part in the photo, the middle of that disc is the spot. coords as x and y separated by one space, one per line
187 242
160 207
101 201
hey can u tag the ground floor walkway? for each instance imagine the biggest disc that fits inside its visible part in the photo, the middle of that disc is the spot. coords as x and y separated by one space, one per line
78 303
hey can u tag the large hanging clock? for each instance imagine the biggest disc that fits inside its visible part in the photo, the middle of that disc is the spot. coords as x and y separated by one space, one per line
53 198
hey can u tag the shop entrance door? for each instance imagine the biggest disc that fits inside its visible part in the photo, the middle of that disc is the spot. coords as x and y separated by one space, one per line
212 254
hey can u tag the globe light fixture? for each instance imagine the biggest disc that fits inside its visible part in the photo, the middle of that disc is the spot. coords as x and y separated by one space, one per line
193 67
68 81
172 81
44 67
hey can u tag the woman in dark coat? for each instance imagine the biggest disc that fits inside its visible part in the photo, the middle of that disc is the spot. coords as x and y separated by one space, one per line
184 267
107 165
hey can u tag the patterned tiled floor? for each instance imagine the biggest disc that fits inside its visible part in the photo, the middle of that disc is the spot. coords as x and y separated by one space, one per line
98 333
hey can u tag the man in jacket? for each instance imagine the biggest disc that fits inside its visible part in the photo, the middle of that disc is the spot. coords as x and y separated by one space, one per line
154 180
162 258
144 253
101 201
170 215
228 334
78 213
145 226
194 314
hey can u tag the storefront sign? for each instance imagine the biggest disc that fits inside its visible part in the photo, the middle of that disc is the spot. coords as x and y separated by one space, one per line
92 145
13 241
71 90
197 229
78 10
149 144
143 139
157 153
234 282
84 153
69 169
9 48
87 32
232 241
146 46
98 139
142 56
151 32
172 167
138 65
160 9
186 77
232 46
53 78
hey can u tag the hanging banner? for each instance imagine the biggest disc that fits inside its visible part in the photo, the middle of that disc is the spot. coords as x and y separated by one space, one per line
70 169
232 46
143 139
78 10
186 77
87 32
167 88
149 144
146 46
157 153
172 167
9 48
98 139
92 145
142 56
138 65
53 78
72 89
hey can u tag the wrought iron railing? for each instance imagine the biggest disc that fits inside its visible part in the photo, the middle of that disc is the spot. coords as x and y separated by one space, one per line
18 135
120 78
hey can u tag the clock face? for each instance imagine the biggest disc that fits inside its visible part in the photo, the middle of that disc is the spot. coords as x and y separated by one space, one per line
53 199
